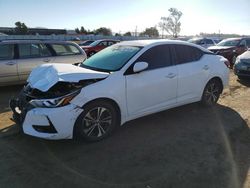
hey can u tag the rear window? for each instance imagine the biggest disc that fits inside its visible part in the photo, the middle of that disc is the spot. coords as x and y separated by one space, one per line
65 49
6 51
185 54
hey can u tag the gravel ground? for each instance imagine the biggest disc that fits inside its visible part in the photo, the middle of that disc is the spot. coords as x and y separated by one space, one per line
189 146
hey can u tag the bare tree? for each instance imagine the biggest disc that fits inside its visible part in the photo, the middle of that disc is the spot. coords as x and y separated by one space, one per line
172 23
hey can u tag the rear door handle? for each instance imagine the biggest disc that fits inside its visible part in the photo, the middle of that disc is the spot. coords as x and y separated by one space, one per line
206 67
171 75
10 63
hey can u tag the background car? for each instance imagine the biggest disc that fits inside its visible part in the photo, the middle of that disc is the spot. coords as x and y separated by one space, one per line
242 65
86 43
204 42
19 57
98 45
231 48
122 82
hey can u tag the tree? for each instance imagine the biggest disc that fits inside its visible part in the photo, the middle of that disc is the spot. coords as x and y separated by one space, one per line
172 23
82 30
151 32
117 34
21 28
77 30
127 34
103 31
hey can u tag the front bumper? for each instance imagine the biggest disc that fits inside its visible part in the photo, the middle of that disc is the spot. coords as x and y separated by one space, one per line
47 123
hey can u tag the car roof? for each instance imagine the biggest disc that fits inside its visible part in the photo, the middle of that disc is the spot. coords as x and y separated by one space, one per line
35 41
145 43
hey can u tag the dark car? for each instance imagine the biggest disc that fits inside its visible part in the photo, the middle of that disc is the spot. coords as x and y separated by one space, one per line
98 46
242 65
231 48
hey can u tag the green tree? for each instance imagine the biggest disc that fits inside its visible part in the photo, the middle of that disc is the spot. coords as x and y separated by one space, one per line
21 28
127 34
82 30
103 31
172 23
77 30
151 32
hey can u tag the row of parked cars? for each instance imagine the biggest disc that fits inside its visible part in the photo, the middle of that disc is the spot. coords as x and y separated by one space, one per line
19 57
236 50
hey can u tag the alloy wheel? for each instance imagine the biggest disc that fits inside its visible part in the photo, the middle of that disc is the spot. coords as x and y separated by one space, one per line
97 122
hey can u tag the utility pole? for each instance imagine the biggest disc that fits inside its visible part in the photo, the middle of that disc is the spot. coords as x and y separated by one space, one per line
135 31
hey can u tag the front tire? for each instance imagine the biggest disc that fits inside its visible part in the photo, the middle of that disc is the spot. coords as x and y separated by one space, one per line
97 121
211 93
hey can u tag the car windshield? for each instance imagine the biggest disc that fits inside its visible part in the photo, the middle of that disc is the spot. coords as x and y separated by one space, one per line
195 41
111 59
230 42
94 43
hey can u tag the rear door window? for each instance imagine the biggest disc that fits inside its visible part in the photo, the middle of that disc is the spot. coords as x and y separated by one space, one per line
6 51
186 54
33 50
65 49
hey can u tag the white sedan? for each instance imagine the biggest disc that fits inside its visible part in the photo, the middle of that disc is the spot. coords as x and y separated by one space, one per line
123 82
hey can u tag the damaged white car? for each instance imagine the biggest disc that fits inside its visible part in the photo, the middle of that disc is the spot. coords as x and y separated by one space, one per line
123 82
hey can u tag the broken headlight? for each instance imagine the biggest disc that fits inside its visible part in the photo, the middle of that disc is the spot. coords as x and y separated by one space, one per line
56 102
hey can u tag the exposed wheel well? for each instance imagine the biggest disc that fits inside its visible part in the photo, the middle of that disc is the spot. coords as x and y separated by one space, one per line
218 79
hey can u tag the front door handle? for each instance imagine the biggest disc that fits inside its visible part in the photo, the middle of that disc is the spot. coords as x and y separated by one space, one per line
171 75
206 67
10 63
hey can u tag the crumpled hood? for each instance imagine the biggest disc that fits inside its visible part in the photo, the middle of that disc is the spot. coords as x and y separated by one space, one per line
47 75
220 47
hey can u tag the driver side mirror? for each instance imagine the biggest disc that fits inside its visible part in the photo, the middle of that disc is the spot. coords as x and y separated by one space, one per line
140 66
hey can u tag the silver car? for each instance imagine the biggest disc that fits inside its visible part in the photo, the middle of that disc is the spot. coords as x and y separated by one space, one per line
19 57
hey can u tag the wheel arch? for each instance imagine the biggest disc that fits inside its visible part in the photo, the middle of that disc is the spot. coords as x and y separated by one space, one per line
219 80
111 101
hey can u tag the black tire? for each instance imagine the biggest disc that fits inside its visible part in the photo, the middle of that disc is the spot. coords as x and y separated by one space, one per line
211 93
97 121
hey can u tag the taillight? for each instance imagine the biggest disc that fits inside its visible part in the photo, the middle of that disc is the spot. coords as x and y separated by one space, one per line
227 63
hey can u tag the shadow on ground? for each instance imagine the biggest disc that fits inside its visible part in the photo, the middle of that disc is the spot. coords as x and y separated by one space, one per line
189 146
7 93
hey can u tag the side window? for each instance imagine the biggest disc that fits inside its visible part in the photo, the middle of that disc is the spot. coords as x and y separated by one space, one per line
243 42
65 49
110 43
33 50
44 51
157 57
6 51
28 50
104 43
248 43
74 49
185 54
209 41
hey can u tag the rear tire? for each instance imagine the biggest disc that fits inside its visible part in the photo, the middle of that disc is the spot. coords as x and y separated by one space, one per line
97 121
211 93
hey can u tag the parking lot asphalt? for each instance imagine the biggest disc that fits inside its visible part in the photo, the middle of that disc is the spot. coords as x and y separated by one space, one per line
189 146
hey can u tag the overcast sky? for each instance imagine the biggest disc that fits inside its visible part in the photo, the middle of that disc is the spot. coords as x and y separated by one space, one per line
226 16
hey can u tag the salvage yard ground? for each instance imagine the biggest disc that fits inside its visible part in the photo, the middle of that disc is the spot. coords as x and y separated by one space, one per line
189 147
